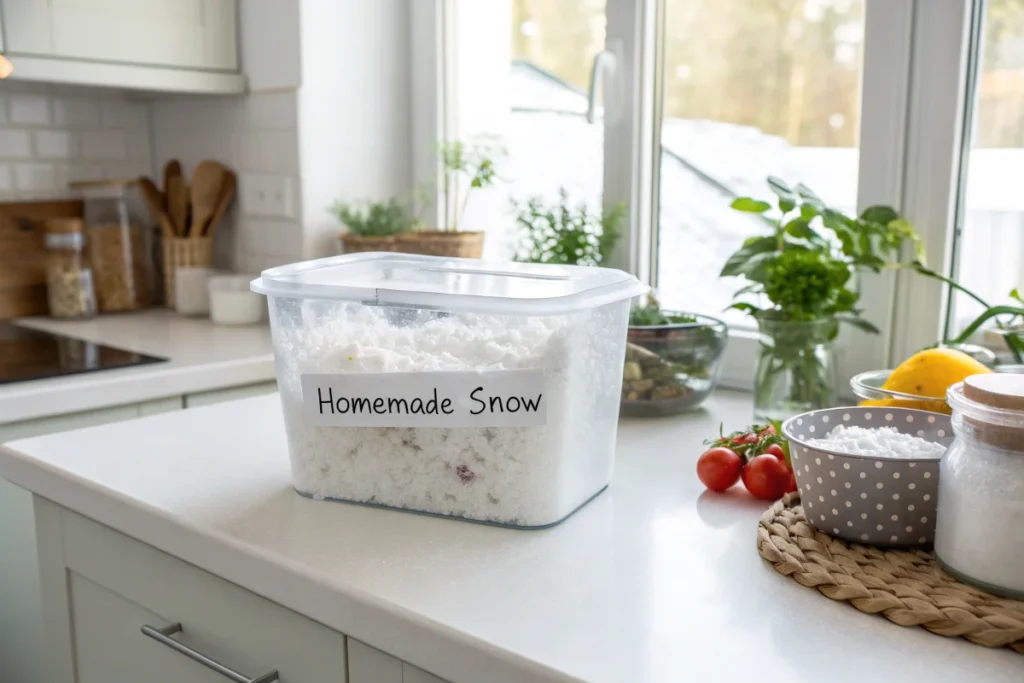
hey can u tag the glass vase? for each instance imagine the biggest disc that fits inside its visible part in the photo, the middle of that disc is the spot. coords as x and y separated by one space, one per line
796 368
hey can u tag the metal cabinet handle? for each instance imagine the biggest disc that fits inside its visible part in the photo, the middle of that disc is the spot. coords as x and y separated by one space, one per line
163 636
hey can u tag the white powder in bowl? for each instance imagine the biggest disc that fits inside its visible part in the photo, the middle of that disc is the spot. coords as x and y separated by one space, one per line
884 442
523 476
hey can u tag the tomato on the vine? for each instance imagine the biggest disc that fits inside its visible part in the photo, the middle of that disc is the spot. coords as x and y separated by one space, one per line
770 429
776 450
719 468
745 439
766 477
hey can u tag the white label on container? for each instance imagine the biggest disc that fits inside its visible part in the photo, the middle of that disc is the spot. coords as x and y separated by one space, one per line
496 398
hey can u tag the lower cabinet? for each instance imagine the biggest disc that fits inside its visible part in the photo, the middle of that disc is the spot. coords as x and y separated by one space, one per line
370 665
116 609
21 643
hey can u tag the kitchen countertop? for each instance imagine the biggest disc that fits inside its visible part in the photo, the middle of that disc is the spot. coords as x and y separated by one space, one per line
654 581
203 357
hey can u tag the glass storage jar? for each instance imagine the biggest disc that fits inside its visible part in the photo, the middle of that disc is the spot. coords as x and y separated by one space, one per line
117 246
69 281
979 537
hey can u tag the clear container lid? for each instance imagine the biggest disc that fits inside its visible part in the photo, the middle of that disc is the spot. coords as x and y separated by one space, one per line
435 282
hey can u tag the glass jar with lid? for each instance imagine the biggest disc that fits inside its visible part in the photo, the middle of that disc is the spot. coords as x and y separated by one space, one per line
979 534
117 246
69 279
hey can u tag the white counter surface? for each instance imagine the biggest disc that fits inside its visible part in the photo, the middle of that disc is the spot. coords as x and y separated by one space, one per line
653 581
203 356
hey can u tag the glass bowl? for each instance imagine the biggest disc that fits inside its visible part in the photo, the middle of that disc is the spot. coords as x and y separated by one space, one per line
671 368
868 385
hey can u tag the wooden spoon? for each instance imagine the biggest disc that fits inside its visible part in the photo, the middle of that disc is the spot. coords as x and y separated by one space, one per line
171 168
177 204
157 205
227 193
206 187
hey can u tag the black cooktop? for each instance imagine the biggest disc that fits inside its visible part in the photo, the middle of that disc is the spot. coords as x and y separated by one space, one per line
27 354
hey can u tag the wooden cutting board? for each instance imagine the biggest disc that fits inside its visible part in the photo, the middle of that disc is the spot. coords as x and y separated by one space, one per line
23 255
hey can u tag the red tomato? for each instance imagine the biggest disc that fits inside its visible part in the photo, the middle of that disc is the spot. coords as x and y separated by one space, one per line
770 429
791 483
719 468
776 450
766 477
745 439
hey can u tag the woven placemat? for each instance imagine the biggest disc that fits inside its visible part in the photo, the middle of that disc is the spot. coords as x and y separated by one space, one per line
907 587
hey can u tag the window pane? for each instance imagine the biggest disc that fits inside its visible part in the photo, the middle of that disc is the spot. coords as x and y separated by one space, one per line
752 88
990 241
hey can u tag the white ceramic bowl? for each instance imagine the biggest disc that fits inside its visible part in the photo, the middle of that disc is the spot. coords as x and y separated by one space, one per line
233 303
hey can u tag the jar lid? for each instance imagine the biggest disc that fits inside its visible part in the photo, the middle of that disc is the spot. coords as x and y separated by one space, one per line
994 403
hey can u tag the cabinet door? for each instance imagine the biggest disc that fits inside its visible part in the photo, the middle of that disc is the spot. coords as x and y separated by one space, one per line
115 585
370 665
197 34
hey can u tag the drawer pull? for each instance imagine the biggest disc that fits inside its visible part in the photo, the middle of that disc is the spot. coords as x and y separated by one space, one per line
163 636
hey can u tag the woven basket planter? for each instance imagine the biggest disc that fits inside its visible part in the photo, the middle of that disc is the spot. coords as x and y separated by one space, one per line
443 243
184 252
428 242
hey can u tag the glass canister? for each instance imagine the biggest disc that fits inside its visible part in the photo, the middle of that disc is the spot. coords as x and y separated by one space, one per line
117 246
69 279
979 534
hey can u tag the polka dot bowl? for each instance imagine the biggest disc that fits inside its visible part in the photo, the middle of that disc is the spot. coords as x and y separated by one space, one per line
866 498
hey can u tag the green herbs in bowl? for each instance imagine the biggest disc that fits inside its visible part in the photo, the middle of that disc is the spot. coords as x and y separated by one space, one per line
672 360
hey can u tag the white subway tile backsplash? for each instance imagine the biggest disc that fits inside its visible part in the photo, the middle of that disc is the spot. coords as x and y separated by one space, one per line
137 146
54 144
75 112
3 109
28 109
74 173
5 178
15 144
35 177
104 145
123 115
272 110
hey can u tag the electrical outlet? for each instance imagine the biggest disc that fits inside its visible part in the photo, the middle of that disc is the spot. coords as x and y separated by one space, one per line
266 195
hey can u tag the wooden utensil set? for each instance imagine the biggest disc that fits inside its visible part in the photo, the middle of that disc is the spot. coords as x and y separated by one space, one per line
190 211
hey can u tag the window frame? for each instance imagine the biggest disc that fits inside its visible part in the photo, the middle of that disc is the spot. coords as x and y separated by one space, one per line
913 113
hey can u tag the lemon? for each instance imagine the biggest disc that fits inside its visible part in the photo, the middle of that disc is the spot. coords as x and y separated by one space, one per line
932 371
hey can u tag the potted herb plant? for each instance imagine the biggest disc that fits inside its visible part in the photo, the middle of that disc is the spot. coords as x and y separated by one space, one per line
672 360
373 225
476 163
566 234
801 286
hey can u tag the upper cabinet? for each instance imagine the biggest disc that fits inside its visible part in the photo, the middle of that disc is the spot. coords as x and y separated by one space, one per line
168 45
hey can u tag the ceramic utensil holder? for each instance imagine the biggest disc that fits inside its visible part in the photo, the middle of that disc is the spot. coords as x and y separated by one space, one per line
182 252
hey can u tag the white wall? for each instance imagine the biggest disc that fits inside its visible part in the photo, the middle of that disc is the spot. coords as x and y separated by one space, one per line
354 109
52 135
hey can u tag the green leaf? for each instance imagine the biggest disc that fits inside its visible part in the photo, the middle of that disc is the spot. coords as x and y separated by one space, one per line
781 189
808 194
757 245
801 228
809 211
754 267
750 205
743 306
786 205
1015 294
751 288
869 261
879 214
735 262
859 323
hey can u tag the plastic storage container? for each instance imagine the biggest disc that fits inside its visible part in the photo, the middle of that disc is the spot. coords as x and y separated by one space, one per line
979 535
117 247
485 391
69 280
